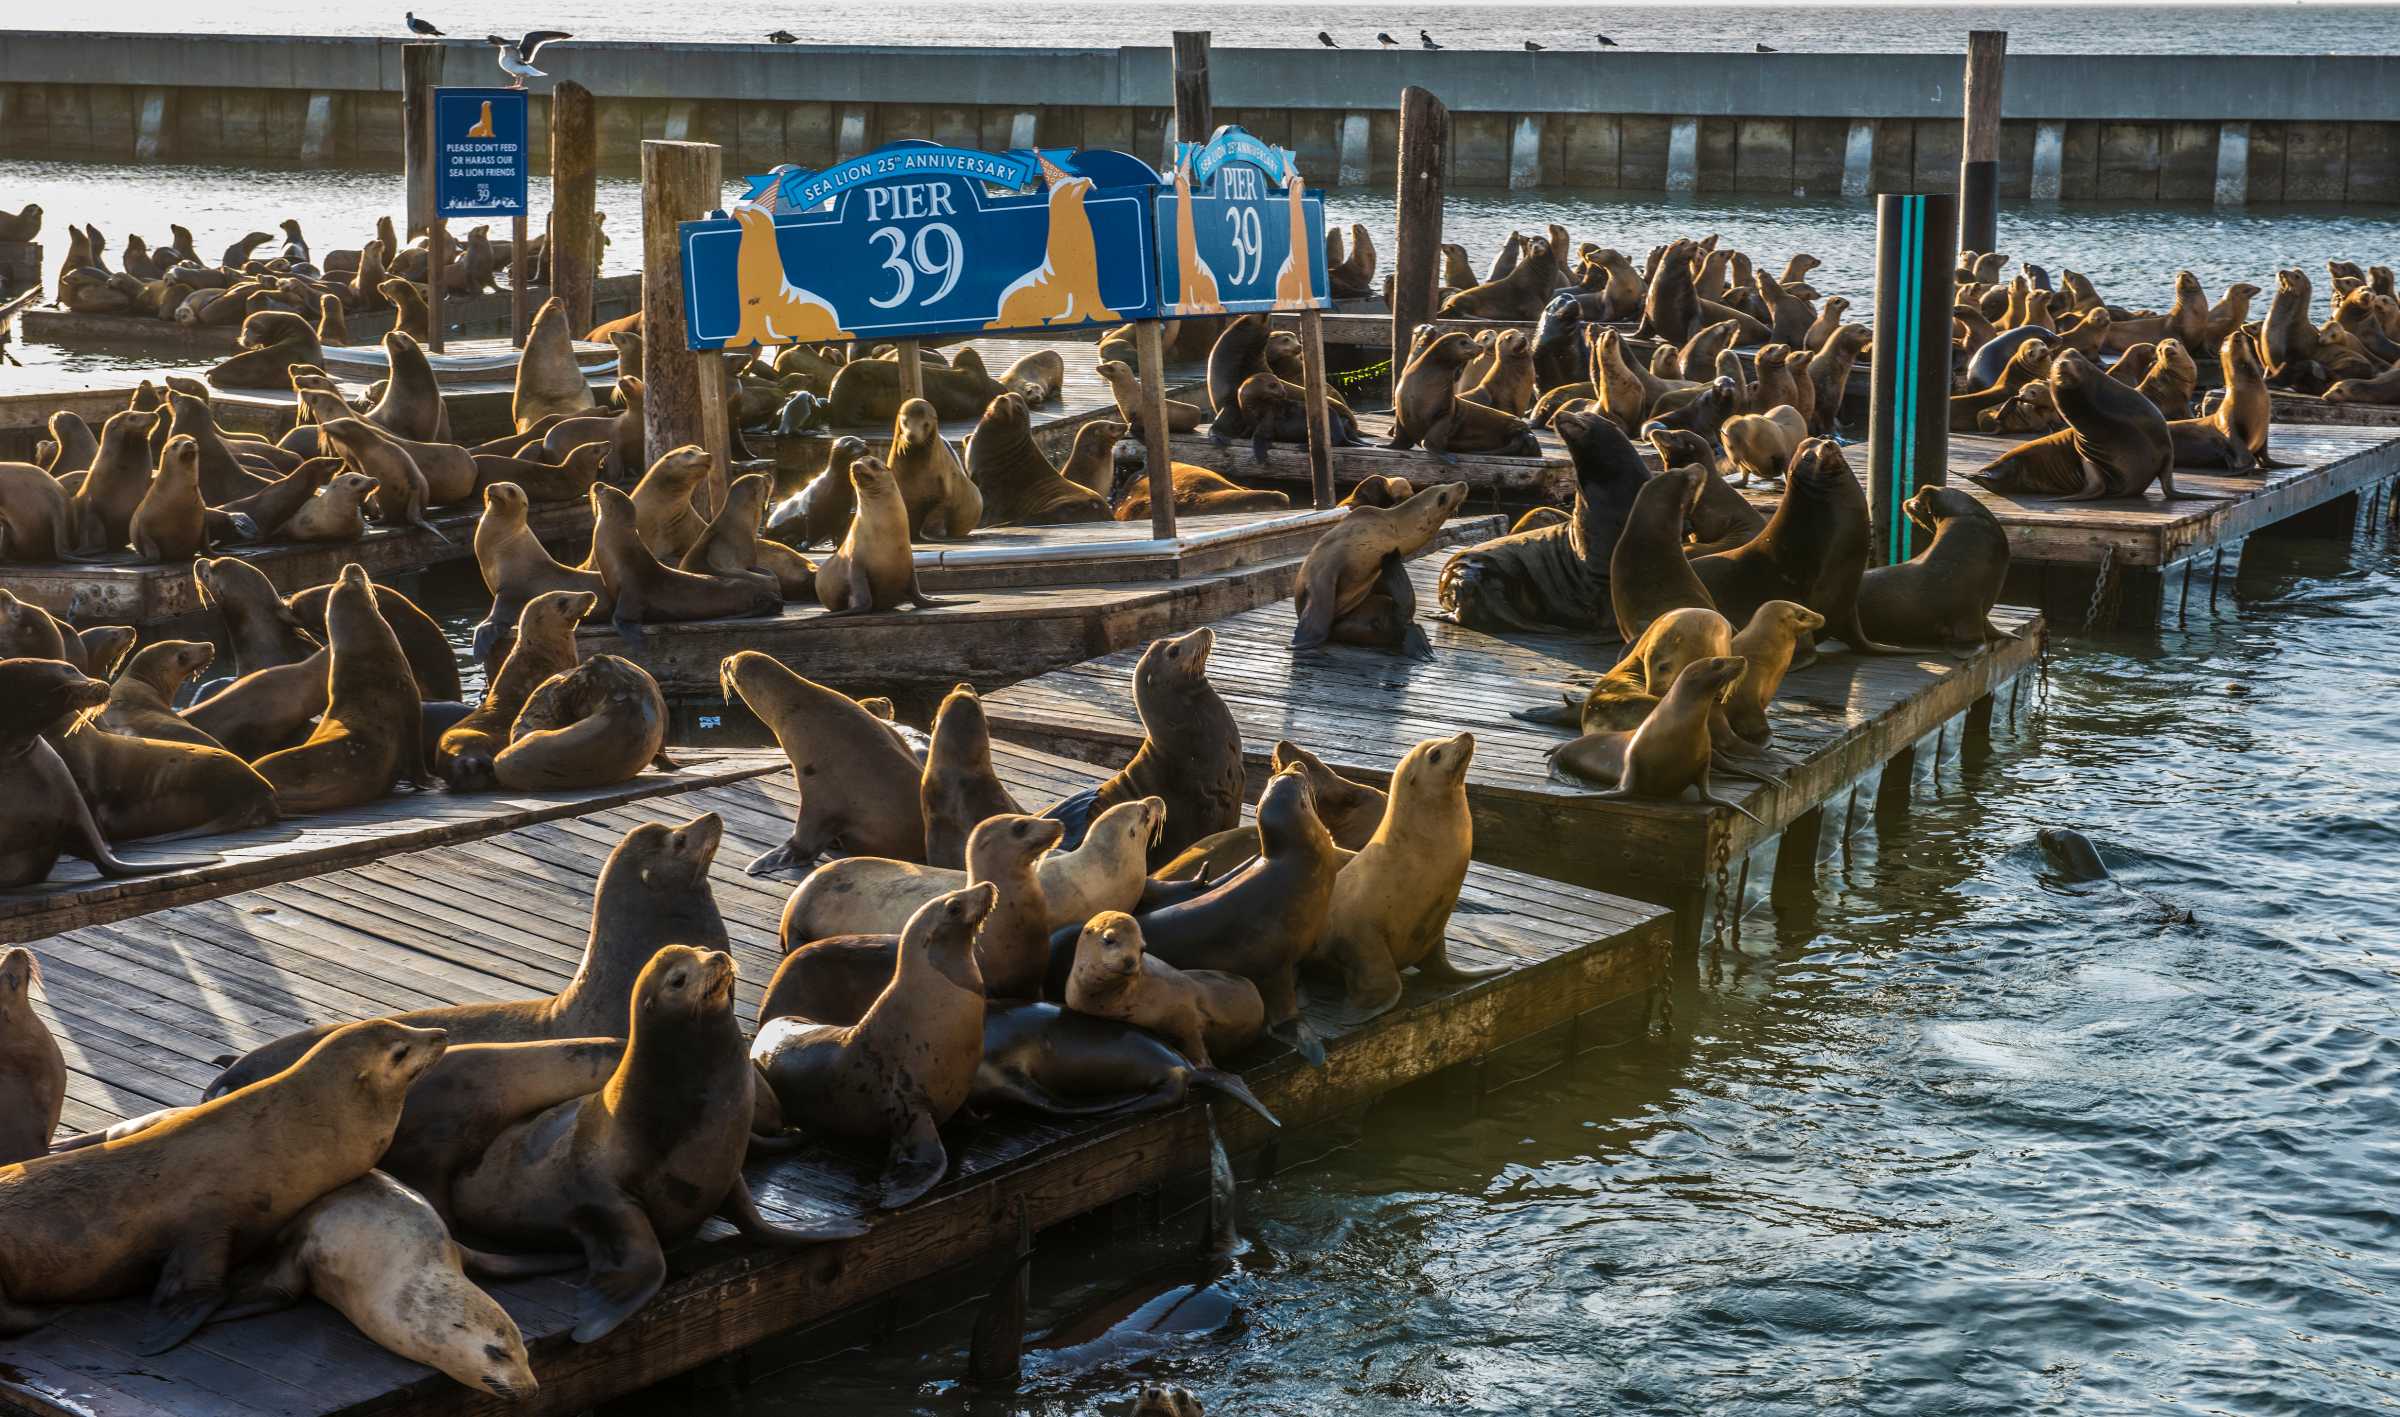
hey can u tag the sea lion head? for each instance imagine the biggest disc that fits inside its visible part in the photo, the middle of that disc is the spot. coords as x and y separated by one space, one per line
871 478
181 459
1263 393
1790 618
666 858
1138 823
2187 286
1287 816
1178 664
26 628
845 449
1008 844
19 972
2177 361
612 513
1714 677
916 425
506 499
1007 411
554 611
352 487
384 1056
1931 506
1166 1401
1817 463
746 500
1281 345
1109 951
1435 766
1512 344
1680 447
105 647
681 983
679 469
167 664
2073 373
1451 350
38 693
349 433
944 928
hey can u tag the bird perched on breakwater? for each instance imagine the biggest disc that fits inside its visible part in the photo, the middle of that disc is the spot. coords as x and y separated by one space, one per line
1764 48
417 26
1532 48
1386 40
1326 40
1426 40
516 56
1605 41
783 37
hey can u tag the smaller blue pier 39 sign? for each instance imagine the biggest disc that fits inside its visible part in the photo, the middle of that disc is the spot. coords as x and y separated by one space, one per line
1239 231
919 239
479 149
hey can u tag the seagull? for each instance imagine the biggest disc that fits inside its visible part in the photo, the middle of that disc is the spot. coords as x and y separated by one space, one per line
1764 48
1326 40
1386 40
1605 41
417 26
516 56
783 37
1532 48
1426 40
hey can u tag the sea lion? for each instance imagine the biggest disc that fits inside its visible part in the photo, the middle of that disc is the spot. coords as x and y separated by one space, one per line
1190 755
337 511
261 629
959 790
1276 411
430 659
858 783
33 1073
1343 569
1554 576
1519 293
140 701
516 566
266 709
643 591
2028 365
821 510
27 631
1244 347
1508 383
1391 902
1945 593
1126 388
1020 486
1377 490
1070 1064
369 736
595 725
942 501
1648 572
2070 855
1625 695
1813 550
170 523
270 343
653 887
96 1224
548 378
1200 1011
401 495
2115 443
2247 409
1672 749
381 1256
72 444
1429 410
34 521
623 431
1670 305
47 811
568 480
875 567
272 507
1828 375
544 645
663 509
2170 381
412 406
1765 645
645 1161
731 546
866 393
103 504
907 1065
1198 491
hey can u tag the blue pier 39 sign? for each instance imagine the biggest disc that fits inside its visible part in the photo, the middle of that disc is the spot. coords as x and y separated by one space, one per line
919 239
1239 231
479 146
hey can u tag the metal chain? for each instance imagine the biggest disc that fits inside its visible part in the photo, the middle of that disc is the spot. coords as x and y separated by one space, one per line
2108 563
1719 847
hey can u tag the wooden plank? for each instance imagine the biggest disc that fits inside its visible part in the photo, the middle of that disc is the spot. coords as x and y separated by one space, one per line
1549 477
2302 408
1361 710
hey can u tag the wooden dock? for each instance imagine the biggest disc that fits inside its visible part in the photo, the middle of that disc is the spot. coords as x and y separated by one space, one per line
1361 710
1496 479
2305 408
76 895
612 297
142 1011
1068 594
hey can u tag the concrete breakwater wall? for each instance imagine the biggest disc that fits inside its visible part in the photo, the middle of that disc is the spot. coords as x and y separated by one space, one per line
2117 127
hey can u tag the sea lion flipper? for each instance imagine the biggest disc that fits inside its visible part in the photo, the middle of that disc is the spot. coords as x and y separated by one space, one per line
627 1267
1077 813
742 1210
1566 713
917 1162
1232 1086
483 1264
1437 964
1301 1038
19 1318
774 859
191 1287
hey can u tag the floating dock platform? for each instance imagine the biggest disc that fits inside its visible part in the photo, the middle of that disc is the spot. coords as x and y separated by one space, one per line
488 314
1495 479
142 1010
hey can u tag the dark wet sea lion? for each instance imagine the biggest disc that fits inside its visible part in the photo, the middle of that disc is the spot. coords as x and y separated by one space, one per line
959 789
1555 576
47 813
1648 573
2070 854
1813 551
2116 442
1020 486
1190 755
1066 1064
369 737
1945 593
858 783
595 725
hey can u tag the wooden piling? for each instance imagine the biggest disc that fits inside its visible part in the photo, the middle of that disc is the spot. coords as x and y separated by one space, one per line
516 282
420 72
680 182
1979 154
1151 348
1195 116
1417 251
574 163
912 369
1320 414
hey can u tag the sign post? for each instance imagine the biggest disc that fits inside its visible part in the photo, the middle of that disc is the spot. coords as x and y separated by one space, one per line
1908 438
479 169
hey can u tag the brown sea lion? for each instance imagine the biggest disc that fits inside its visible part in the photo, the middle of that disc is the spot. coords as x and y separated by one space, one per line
568 480
1391 903
1019 485
595 725
1760 445
943 502
516 567
867 393
412 406
1341 572
623 432
1670 305
544 645
71 444
1126 388
1198 491
265 709
1038 376
1377 490
47 812
549 380
1766 646
2171 379
907 1065
820 511
1190 755
337 512
663 508
141 700
369 737
33 1073
732 547
1518 293
645 1161
430 657
270 343
2115 443
959 790
35 522
1828 375
642 591
1507 384
1624 696
1648 572
858 784
1945 593
140 787
400 496
1669 753
1201 1011
103 503
1813 551
1430 411
875 568
171 524
272 508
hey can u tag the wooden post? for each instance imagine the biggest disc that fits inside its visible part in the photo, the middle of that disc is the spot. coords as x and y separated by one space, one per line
420 71
912 369
1151 348
1979 154
1320 416
573 166
437 241
680 182
1195 118
1908 409
516 282
1417 249
716 431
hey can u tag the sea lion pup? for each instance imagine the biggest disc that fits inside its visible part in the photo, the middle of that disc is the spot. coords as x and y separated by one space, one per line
1766 645
959 790
544 645
370 736
381 1256
1190 756
141 700
412 406
1200 1011
271 342
653 886
858 783
516 567
1429 410
645 1161
97 1224
548 378
1507 384
1348 564
47 811
907 1065
645 592
2115 444
731 546
595 725
1020 486
1126 388
1648 572
1672 749
875 567
400 495
1198 491
943 502
1944 595
820 511
33 1073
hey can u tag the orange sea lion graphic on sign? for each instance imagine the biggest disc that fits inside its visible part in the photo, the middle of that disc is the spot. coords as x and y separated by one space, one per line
483 125
1291 283
774 311
1196 286
1065 288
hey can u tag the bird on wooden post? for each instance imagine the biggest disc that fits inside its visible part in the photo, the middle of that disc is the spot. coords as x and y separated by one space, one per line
516 56
423 27
1426 40
1764 48
1326 40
